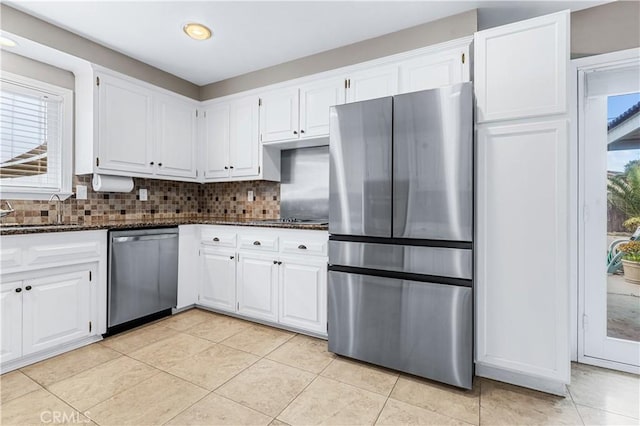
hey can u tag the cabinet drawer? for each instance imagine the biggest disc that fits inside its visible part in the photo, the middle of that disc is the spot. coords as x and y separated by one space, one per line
259 242
215 237
304 246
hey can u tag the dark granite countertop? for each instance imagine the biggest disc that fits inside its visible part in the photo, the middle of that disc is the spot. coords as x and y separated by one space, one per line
17 229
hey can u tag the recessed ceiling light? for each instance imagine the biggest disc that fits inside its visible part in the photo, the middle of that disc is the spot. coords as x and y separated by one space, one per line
7 42
197 31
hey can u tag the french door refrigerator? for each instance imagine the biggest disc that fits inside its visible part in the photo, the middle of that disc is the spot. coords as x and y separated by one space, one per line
401 233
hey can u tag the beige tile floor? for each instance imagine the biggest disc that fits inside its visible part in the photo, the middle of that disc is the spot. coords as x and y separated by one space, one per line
199 368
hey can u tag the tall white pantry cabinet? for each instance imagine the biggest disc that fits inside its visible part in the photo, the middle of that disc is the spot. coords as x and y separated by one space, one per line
522 223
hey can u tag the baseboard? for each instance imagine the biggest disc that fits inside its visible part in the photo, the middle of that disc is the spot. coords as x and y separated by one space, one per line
41 356
611 365
519 379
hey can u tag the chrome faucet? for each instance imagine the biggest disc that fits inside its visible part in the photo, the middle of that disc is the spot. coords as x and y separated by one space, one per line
58 209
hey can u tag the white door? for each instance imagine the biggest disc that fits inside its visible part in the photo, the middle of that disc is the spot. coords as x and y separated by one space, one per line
373 83
434 70
56 310
279 115
125 126
315 100
610 193
176 142
303 293
218 279
244 145
11 320
216 141
258 286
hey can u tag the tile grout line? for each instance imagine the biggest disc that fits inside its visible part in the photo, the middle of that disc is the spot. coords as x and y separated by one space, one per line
296 397
386 400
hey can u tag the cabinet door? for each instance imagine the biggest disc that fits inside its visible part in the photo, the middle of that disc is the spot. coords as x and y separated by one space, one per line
524 163
258 286
175 153
218 279
315 100
243 142
521 68
56 310
434 70
279 115
303 293
216 141
373 83
125 129
11 321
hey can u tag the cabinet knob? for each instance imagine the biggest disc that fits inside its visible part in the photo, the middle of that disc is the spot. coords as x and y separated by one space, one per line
301 131
279 263
159 164
231 167
151 163
295 132
18 290
226 167
302 247
28 288
216 239
257 243
275 262
231 257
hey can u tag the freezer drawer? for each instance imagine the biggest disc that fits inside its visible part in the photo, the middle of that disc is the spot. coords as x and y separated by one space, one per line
435 261
360 168
419 328
433 164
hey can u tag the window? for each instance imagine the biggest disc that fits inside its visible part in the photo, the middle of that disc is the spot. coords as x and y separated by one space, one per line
35 138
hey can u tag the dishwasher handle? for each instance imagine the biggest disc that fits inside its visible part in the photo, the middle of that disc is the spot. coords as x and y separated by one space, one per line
143 238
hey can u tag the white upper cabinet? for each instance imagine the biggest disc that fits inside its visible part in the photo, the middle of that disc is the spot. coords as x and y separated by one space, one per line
176 144
216 140
125 126
10 320
521 69
300 112
372 83
315 100
243 138
436 70
144 132
279 115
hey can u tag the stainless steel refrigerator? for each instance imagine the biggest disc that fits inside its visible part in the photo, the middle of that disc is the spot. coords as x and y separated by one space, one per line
401 233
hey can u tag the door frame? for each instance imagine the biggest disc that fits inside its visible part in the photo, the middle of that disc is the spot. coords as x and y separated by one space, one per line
577 182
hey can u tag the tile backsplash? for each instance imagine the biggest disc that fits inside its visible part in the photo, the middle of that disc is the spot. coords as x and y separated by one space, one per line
166 200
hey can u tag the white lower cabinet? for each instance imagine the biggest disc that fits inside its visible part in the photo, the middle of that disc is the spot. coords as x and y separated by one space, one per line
10 321
56 310
258 286
303 293
256 276
53 297
218 279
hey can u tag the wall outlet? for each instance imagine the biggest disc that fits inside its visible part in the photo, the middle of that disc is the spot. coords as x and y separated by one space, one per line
81 192
249 195
142 193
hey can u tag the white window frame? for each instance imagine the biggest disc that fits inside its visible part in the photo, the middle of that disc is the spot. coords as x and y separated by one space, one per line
9 192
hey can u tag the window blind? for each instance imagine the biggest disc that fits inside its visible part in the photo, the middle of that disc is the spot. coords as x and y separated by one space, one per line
30 137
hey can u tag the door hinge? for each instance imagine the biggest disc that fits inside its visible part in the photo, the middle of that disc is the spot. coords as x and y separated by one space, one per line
258 169
463 58
349 84
97 81
196 113
585 321
345 84
90 326
260 137
89 275
198 297
97 161
327 325
196 173
205 114
259 101
237 306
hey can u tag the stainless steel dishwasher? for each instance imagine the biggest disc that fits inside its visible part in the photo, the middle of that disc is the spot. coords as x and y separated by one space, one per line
143 275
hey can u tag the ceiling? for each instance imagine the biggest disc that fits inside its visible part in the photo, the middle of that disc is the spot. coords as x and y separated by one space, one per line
251 35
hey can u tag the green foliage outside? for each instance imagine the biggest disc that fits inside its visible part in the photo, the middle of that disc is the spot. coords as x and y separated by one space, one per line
631 251
624 190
